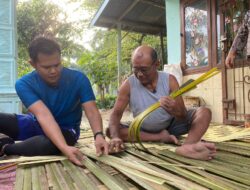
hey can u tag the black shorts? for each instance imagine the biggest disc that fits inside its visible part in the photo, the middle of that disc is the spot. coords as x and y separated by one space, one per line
176 127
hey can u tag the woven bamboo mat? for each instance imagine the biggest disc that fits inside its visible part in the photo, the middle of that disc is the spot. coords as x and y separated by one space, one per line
136 169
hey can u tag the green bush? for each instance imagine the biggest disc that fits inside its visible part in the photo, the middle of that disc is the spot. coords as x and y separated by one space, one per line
107 103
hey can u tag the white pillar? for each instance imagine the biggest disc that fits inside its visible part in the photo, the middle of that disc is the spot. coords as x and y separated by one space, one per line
119 49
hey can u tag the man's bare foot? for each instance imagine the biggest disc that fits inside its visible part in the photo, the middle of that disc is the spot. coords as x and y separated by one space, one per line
199 151
167 138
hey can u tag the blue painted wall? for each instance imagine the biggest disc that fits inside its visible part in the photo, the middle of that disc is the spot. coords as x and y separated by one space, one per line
9 102
173 31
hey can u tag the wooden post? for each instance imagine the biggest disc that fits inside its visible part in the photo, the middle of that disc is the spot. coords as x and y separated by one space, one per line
119 58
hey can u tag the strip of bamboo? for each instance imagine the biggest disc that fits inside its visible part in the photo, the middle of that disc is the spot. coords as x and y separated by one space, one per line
27 179
19 179
107 179
35 178
178 170
52 180
211 167
81 180
135 168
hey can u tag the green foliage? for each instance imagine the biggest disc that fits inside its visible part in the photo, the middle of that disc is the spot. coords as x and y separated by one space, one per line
99 68
40 17
106 103
101 64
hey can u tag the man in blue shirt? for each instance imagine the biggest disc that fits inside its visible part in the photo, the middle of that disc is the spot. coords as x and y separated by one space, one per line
55 97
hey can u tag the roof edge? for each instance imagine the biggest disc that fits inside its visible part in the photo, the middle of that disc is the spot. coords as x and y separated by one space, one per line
99 12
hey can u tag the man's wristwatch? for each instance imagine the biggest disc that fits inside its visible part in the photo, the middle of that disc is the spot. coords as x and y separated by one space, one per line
99 133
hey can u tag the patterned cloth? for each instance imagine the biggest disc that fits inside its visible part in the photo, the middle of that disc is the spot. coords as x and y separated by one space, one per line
243 36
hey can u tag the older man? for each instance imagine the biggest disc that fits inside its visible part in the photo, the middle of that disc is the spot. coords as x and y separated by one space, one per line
241 40
147 86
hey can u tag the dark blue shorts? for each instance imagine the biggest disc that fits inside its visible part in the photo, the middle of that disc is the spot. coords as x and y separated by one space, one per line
176 127
29 127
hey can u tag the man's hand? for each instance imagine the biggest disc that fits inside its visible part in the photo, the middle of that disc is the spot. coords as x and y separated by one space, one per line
74 155
116 145
101 145
230 59
169 104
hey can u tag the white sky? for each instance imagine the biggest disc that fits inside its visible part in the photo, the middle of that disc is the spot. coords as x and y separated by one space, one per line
74 14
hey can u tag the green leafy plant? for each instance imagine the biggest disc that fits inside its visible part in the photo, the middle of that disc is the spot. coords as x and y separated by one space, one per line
106 103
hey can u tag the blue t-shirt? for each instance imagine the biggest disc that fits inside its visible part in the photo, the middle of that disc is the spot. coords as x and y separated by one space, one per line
64 101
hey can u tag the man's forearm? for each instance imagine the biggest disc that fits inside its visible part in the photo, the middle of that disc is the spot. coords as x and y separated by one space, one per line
114 125
95 122
52 131
48 124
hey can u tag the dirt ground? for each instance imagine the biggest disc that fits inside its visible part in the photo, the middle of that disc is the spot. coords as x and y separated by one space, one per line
127 116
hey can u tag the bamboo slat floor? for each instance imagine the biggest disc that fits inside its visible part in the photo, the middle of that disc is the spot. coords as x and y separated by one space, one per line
134 169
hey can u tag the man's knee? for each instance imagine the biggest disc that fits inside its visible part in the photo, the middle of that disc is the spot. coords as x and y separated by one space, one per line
204 113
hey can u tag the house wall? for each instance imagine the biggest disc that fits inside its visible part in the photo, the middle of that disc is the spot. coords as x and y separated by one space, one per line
9 101
210 91
173 31
210 94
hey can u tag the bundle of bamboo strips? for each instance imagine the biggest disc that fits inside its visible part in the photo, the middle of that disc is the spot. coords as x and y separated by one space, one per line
158 169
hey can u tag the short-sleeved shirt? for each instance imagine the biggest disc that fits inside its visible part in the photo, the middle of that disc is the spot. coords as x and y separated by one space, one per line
64 101
141 98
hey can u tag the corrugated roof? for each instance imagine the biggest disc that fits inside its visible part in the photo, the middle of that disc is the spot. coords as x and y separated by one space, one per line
143 16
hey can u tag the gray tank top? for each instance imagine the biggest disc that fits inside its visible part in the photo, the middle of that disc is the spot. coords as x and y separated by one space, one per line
141 98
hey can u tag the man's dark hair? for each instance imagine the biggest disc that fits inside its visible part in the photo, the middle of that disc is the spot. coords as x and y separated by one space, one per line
43 45
154 55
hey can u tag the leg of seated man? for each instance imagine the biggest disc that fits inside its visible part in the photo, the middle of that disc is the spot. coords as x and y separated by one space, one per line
162 136
8 130
25 128
38 146
8 125
192 146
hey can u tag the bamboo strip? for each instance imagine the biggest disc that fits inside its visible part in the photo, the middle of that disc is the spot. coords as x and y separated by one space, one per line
113 172
35 179
93 178
27 181
107 179
19 179
233 159
224 182
41 161
179 171
7 166
135 167
52 181
233 167
229 184
81 179
60 177
149 185
209 166
68 180
43 178
238 150
22 159
140 174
